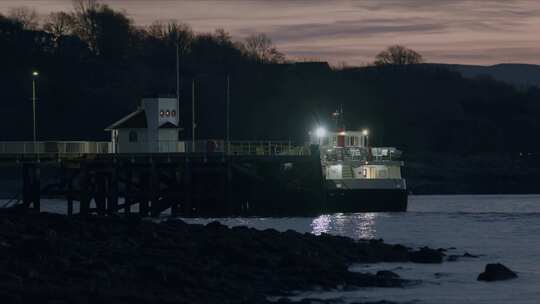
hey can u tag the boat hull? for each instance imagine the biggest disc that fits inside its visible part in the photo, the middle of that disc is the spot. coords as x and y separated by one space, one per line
366 196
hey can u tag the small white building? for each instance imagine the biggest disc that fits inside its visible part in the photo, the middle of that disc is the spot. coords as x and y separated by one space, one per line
152 128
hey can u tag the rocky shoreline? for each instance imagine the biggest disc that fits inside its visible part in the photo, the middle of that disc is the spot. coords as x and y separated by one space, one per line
46 258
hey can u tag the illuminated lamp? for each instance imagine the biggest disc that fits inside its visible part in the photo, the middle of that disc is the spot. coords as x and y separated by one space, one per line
168 113
161 113
320 132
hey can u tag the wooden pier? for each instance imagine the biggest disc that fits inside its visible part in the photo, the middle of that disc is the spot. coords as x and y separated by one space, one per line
179 184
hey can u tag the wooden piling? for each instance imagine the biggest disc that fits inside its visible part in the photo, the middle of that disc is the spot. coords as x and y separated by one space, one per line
36 183
69 194
154 189
188 203
84 189
112 190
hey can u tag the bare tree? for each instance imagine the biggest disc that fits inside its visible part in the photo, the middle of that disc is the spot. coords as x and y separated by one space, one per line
27 17
59 24
222 36
173 33
398 55
85 21
260 47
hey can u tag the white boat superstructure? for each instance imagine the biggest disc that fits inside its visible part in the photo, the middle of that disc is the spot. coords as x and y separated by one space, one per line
355 170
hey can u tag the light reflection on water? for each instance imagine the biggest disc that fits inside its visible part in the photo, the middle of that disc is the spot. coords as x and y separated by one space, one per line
366 225
321 224
363 225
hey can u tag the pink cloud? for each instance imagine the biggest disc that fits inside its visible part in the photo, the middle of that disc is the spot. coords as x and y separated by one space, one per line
453 31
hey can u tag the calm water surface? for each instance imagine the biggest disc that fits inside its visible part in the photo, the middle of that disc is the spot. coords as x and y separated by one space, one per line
502 228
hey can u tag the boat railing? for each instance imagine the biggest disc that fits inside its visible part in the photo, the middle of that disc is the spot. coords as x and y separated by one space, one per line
354 154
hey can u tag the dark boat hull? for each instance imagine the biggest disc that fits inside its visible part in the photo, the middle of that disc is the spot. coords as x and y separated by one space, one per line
366 200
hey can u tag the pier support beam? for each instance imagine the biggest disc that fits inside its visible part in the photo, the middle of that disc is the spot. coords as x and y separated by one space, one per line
31 186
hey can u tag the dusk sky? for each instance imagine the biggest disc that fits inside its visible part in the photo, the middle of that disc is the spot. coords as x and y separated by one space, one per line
452 31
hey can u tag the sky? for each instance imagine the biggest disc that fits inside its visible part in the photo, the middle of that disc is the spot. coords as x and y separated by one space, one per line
482 32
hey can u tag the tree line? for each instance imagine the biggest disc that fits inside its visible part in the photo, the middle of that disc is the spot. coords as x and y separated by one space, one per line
95 65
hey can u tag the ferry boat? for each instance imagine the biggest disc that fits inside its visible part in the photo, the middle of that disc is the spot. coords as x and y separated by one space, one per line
358 177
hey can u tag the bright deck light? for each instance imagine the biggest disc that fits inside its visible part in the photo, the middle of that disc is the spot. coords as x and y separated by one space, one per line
320 132
365 132
35 73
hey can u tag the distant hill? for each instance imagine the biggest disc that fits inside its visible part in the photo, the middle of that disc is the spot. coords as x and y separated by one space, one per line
521 75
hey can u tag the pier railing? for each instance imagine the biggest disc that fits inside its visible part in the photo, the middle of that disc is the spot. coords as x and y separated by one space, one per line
247 147
262 148
54 147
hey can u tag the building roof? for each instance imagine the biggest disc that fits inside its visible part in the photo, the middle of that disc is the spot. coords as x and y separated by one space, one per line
168 125
135 119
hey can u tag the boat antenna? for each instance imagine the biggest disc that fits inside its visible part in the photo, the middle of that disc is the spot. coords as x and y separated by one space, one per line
341 116
338 117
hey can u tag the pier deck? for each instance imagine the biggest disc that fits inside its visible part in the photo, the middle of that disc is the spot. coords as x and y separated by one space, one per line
265 180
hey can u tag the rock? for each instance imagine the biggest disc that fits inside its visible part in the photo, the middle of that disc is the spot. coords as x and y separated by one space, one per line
35 247
387 274
129 260
496 272
427 255
453 258
6 277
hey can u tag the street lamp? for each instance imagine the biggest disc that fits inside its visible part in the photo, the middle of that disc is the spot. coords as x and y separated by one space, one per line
35 75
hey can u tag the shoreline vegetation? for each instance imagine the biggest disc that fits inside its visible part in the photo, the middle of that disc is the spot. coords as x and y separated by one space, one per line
48 258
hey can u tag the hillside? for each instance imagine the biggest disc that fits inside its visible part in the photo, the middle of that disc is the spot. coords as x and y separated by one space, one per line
521 75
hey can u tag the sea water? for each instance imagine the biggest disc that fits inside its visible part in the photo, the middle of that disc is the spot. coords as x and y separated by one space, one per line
499 228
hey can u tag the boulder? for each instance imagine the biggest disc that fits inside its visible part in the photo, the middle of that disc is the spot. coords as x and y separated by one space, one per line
387 274
468 255
426 255
455 257
496 272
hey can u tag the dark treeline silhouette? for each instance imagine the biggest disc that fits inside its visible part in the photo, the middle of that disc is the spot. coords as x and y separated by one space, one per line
95 65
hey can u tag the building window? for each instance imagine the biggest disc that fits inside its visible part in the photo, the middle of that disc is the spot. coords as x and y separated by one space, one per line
132 136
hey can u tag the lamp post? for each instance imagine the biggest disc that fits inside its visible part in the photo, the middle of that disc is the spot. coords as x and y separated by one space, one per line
193 125
193 121
228 135
35 75
177 78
